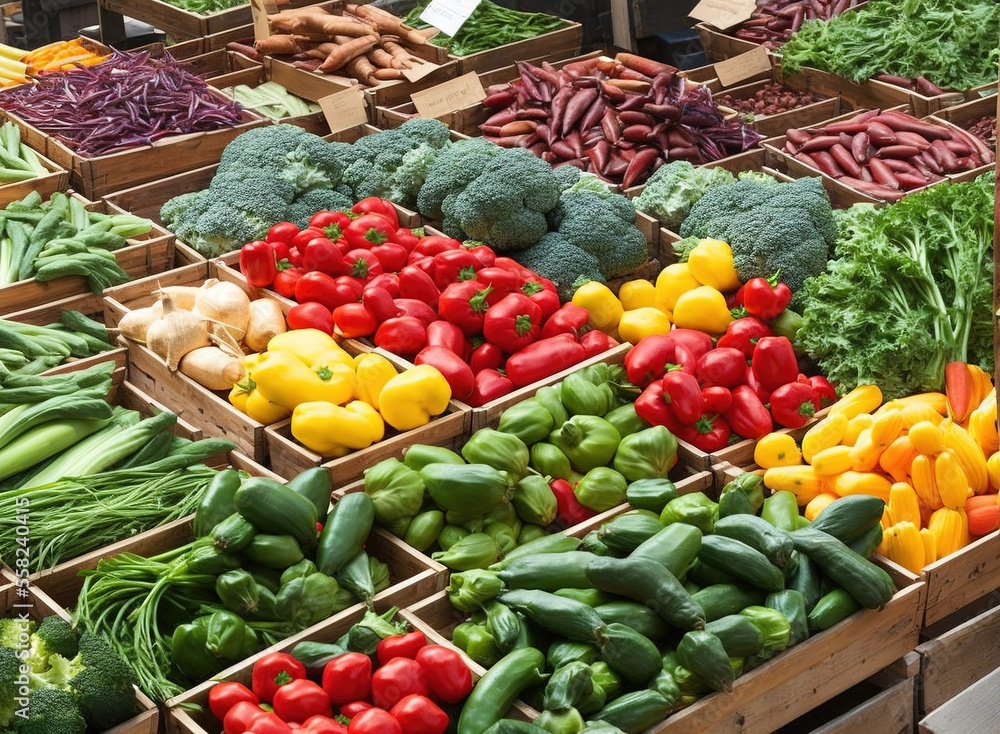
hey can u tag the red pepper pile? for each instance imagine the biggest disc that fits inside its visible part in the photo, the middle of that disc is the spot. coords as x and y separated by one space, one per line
353 696
739 387
487 323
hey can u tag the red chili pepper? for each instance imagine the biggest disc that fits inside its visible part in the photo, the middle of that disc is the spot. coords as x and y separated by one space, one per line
792 404
445 334
717 399
747 416
323 725
654 356
513 323
354 320
774 362
682 394
273 671
378 302
826 393
452 266
223 696
238 719
310 315
391 255
569 319
368 230
765 298
446 672
501 280
374 721
595 342
743 334
387 281
569 511
709 434
362 264
547 299
348 678
486 356
333 224
258 264
432 245
697 342
282 232
416 283
407 238
483 253
417 309
323 255
455 370
375 205
403 335
543 358
464 304
652 407
397 679
405 645
300 699
489 385
723 366
419 715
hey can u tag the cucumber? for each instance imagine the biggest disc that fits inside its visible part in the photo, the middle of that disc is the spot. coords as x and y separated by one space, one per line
548 571
234 533
276 510
274 551
217 503
499 688
646 581
675 547
503 624
651 494
807 580
742 561
636 616
703 654
590 597
635 712
316 485
850 517
718 600
628 531
792 605
740 637
356 577
759 534
554 543
872 587
866 544
703 575
345 532
833 607
630 654
568 618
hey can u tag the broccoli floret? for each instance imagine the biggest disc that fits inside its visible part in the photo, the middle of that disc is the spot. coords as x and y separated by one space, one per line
505 206
604 226
568 175
10 670
15 632
456 165
59 636
316 200
565 264
58 672
289 152
786 226
264 198
52 711
673 188
104 687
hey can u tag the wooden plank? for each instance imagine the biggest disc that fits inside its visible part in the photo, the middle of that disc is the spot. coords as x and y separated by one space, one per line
890 712
558 44
719 45
621 25
961 578
976 709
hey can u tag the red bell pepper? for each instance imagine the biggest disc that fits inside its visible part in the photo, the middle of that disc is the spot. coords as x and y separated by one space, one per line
734 302
322 288
445 334
403 335
304 235
489 385
272 671
717 399
375 205
709 434
569 319
391 255
333 224
792 404
452 266
483 253
446 672
432 245
301 699
362 264
759 390
826 393
282 232
765 298
419 715
569 511
407 238
321 254
509 263
774 362
417 309
310 315
418 284
595 342
374 721
654 356
354 320
513 323
682 393
455 370
747 416
405 645
652 407
379 303
486 356
425 263
722 366
697 342
464 304
398 678
543 358
323 725
501 280
743 334
386 281
238 718
258 263
368 230
348 678
223 696
546 298
269 723
294 256
352 708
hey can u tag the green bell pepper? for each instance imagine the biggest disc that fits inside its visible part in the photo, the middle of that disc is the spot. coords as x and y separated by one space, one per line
588 441
189 652
449 535
549 397
564 721
476 642
397 491
582 396
549 461
694 509
303 568
651 494
503 534
424 529
476 550
503 451
648 454
534 500
529 420
469 590
626 420
229 638
238 591
601 489
419 455
530 532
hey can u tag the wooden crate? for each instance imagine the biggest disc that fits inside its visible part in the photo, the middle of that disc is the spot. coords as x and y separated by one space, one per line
558 44
961 578
921 104
218 62
974 709
966 113
770 125
211 42
719 45
55 179
37 605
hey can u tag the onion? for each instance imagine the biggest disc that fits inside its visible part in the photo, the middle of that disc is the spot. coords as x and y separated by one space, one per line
266 321
226 306
134 324
176 333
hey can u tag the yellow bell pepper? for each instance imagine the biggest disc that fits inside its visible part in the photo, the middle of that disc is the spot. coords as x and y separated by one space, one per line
642 322
333 430
711 263
309 345
372 372
604 307
247 398
702 308
411 398
286 380
672 281
637 293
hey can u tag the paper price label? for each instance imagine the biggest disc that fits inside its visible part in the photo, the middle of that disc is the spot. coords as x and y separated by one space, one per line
745 66
448 15
723 14
449 96
344 109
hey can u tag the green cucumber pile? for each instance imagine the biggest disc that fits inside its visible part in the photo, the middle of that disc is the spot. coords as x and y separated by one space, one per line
656 609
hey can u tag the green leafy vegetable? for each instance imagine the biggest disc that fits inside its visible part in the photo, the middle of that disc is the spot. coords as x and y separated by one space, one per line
489 26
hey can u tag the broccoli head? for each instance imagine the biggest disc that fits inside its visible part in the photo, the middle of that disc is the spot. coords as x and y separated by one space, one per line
565 264
52 711
316 200
14 633
769 226
604 226
289 152
505 206
455 166
568 175
672 190
104 686
10 669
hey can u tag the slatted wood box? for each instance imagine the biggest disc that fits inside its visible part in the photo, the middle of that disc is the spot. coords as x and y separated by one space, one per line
558 44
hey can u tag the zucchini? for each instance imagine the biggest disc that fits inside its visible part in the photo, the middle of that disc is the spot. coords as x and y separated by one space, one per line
742 561
635 615
630 654
871 586
635 712
792 605
833 607
646 581
503 624
703 574
572 620
316 485
499 688
276 510
274 551
356 577
548 571
650 494
553 543
740 637
850 517
718 600
590 597
675 547
625 533
234 533
217 503
703 654
807 580
345 532
866 544
758 534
